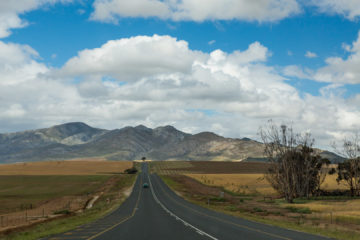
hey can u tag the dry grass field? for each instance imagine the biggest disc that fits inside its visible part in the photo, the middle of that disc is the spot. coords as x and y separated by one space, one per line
75 167
244 183
254 183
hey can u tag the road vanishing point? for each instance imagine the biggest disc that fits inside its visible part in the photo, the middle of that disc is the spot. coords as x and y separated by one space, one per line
158 213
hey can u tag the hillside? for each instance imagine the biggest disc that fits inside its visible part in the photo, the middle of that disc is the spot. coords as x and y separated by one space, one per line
78 140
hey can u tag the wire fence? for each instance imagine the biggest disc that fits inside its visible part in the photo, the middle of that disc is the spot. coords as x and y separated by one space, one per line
45 211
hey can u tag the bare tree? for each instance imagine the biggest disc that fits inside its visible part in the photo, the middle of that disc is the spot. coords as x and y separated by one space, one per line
295 170
349 170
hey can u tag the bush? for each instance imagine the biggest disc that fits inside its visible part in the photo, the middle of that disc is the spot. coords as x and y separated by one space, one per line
132 170
299 210
256 209
218 199
63 212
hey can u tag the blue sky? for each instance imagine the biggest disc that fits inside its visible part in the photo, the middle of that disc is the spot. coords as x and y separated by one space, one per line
293 61
63 30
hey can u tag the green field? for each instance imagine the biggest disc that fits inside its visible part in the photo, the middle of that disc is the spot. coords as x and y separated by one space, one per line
19 192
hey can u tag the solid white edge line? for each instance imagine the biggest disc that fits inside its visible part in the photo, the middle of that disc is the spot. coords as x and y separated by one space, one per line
178 218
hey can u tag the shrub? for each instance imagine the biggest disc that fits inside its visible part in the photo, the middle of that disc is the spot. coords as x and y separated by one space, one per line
132 170
299 210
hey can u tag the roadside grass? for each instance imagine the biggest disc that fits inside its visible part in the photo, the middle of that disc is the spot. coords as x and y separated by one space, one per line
24 192
305 215
100 209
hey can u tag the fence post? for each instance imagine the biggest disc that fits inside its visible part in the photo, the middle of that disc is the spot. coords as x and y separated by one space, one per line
331 218
43 212
26 216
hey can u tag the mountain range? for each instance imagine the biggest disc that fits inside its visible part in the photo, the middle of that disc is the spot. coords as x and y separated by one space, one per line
78 140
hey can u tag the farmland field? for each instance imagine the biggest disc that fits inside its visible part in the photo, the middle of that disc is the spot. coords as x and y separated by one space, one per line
206 167
83 167
243 183
253 183
36 191
22 192
25 185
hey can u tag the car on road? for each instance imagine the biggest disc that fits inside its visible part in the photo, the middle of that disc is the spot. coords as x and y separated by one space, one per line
145 185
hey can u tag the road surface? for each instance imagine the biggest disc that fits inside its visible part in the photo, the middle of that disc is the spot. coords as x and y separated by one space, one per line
158 213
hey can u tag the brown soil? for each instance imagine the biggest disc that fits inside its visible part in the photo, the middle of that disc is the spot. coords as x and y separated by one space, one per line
225 167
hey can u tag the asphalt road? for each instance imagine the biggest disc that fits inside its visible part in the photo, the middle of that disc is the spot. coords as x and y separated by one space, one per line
158 213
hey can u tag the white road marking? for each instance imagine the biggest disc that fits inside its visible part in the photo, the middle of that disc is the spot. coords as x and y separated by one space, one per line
178 218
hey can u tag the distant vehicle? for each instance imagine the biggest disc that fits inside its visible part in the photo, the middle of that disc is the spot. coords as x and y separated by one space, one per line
145 185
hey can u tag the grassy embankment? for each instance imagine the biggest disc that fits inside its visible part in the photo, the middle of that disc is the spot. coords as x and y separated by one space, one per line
337 217
72 179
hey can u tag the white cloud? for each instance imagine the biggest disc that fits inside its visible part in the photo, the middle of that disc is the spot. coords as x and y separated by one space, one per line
340 70
18 64
309 54
348 8
132 58
239 89
109 10
297 71
10 11
200 10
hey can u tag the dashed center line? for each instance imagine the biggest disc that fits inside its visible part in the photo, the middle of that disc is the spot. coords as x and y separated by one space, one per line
178 218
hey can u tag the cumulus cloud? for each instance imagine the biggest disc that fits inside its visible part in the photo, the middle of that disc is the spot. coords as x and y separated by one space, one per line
132 58
229 93
348 8
201 10
18 64
339 70
10 11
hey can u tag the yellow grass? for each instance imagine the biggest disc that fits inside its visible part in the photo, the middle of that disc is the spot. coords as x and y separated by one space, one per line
238 183
330 183
254 183
84 167
343 208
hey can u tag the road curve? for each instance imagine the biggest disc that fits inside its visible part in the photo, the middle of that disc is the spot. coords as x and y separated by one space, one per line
158 213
